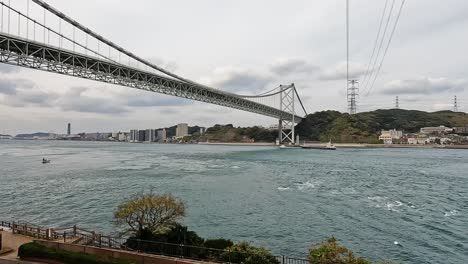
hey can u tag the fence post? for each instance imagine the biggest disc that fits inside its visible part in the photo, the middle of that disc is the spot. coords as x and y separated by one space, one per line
74 231
229 255
64 236
283 260
100 240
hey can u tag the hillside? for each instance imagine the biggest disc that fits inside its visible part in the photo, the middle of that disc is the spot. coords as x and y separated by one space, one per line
229 133
365 127
38 134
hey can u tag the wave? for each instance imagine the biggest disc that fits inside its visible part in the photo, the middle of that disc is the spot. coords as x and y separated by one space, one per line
130 167
283 188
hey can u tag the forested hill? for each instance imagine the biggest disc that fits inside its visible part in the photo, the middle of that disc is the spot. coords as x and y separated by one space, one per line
365 127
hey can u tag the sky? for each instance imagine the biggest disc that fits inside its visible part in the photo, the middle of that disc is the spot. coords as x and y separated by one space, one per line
245 47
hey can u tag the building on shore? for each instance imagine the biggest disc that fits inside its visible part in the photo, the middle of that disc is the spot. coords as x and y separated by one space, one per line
182 130
436 130
133 136
388 136
141 135
461 130
162 135
122 136
150 135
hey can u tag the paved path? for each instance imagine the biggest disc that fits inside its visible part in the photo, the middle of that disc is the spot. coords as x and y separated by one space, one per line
10 261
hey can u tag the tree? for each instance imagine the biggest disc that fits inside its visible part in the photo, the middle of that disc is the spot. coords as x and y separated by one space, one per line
149 213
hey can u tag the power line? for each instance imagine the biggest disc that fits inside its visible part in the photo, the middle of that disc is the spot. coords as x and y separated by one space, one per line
388 45
376 41
347 50
374 64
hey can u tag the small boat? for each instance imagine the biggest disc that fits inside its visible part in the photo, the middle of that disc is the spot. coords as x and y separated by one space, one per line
282 146
45 161
329 146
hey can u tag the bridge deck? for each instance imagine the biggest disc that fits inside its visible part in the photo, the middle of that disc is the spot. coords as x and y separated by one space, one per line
27 53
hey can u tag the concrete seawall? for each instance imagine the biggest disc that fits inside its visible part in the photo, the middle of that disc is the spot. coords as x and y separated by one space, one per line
140 258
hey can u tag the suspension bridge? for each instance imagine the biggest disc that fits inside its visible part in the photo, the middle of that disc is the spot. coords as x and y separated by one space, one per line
35 35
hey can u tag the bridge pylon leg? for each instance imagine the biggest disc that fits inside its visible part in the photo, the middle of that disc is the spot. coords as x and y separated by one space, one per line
286 125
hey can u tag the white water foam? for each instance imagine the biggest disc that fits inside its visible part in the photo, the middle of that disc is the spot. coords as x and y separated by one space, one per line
283 188
301 186
451 213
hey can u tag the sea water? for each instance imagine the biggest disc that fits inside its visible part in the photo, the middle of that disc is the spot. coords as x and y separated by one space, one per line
405 205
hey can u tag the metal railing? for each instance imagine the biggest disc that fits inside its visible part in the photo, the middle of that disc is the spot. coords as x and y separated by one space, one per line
75 235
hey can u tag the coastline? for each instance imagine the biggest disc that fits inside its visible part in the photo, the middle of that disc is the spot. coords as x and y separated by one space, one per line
341 145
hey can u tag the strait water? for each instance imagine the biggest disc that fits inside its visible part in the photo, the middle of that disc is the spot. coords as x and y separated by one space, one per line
283 199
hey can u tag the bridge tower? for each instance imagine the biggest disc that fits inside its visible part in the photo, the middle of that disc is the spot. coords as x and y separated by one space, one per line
286 133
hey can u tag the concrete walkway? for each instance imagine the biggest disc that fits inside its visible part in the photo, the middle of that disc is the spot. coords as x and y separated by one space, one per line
13 242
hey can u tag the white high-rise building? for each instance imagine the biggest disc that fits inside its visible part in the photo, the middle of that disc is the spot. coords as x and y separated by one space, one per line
182 130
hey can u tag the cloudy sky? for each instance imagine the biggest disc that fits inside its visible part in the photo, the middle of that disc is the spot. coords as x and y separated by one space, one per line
246 46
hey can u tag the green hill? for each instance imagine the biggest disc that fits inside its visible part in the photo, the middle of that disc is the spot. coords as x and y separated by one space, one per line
365 127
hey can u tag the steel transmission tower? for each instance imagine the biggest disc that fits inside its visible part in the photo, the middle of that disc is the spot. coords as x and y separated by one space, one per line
397 102
455 104
353 92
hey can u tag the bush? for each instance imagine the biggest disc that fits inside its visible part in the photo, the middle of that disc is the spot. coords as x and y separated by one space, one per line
34 250
219 243
244 253
330 252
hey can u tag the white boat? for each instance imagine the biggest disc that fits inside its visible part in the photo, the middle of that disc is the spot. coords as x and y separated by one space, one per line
329 146
282 146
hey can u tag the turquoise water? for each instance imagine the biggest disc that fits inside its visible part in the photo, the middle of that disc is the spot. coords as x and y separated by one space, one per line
283 199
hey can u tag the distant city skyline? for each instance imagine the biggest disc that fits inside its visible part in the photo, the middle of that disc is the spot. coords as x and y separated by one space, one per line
425 66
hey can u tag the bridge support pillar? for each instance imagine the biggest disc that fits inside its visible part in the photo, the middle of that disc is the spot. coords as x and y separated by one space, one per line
286 125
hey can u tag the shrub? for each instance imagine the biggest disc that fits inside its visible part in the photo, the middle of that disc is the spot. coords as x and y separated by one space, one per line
219 243
244 253
34 250
330 252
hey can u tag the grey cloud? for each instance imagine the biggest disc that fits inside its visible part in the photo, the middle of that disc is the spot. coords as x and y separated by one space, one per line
5 68
424 86
11 87
152 99
24 98
167 65
338 72
239 81
291 66
87 104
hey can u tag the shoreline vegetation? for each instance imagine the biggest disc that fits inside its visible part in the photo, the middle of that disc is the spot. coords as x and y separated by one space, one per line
150 219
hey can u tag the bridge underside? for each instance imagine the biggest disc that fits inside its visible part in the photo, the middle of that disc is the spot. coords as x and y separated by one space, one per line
26 53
